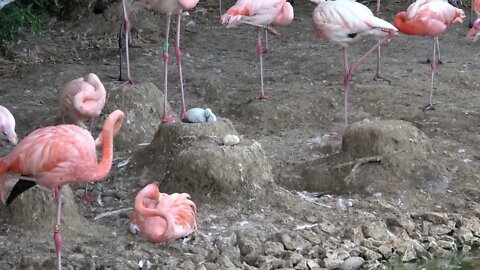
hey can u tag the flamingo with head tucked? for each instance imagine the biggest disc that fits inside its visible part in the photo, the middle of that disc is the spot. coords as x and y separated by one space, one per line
428 18
55 156
345 22
82 99
262 14
160 217
7 126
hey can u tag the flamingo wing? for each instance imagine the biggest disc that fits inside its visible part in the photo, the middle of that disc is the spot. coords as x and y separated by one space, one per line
345 21
183 211
260 12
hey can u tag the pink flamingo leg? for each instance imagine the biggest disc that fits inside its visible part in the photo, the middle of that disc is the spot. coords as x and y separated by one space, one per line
126 28
267 45
260 55
220 9
178 54
433 65
166 118
350 71
379 77
57 237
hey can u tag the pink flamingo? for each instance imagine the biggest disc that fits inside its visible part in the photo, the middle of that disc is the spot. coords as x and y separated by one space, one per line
428 18
169 8
82 99
125 31
160 217
262 14
56 156
7 126
345 22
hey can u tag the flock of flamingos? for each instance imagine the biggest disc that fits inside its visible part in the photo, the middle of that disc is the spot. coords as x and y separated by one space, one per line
40 158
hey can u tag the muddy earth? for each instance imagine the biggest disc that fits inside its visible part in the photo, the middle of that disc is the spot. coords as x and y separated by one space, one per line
299 191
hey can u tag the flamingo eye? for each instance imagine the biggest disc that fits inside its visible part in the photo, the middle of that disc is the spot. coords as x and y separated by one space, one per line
134 228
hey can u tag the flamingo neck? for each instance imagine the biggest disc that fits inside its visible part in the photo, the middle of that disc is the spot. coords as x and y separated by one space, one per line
151 192
110 128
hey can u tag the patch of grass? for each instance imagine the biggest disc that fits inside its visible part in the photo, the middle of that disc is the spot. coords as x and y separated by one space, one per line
21 16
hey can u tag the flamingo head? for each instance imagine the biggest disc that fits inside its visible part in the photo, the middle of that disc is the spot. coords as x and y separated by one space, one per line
209 116
474 30
9 135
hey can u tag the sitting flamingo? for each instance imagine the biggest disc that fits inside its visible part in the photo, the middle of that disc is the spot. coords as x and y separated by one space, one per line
160 217
7 126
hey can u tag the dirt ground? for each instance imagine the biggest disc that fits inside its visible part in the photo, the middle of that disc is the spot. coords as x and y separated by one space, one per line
295 223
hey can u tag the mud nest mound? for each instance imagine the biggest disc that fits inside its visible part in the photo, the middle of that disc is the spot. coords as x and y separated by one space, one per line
389 156
34 210
193 158
143 108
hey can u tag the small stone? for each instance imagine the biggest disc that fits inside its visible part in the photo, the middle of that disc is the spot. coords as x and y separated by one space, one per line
385 250
312 264
354 234
352 263
286 240
376 230
447 244
301 265
225 262
434 217
371 255
403 222
273 248
230 140
440 229
293 257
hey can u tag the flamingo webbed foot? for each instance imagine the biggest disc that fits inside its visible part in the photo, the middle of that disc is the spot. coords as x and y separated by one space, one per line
380 78
428 107
168 119
265 97
124 82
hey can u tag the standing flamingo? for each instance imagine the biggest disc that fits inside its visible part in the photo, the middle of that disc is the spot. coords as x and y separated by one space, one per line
82 99
169 8
56 156
345 22
262 14
160 217
125 32
7 126
474 9
428 18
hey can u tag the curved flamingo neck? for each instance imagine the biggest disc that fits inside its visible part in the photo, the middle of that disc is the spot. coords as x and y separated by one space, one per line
113 122
151 192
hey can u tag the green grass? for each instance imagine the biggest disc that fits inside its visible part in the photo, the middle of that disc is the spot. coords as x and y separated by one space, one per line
25 16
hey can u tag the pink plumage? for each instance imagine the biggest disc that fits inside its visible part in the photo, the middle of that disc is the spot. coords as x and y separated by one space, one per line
82 99
161 217
58 155
345 22
428 18
262 14
7 126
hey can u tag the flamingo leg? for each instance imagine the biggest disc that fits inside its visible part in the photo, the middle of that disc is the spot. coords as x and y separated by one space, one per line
57 237
353 68
178 54
377 76
472 12
126 28
267 45
429 106
260 55
120 48
166 118
220 8
439 61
